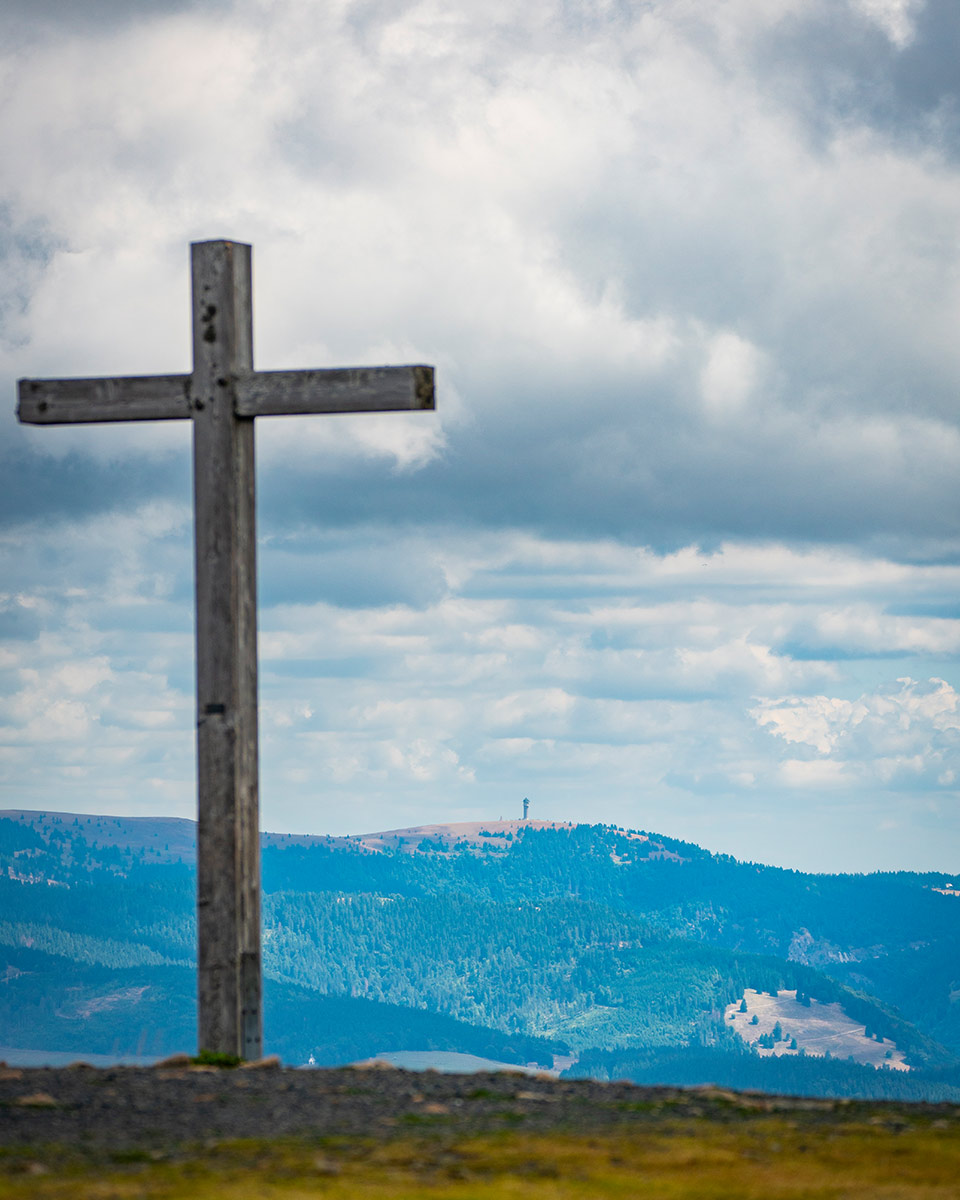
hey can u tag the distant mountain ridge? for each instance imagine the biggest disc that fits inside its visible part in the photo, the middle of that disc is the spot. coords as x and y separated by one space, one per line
608 941
174 839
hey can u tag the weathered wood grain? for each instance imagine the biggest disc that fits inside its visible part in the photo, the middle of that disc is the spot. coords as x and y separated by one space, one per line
258 394
336 390
228 859
81 401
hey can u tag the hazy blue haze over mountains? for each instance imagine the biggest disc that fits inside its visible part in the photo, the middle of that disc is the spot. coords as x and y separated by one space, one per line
623 950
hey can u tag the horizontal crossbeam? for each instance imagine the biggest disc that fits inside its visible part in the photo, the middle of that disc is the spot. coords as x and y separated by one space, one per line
258 394
337 390
82 401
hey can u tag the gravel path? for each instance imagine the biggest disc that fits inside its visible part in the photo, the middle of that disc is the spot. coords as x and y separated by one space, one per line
93 1110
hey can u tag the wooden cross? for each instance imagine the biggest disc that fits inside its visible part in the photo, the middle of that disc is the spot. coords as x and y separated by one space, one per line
221 397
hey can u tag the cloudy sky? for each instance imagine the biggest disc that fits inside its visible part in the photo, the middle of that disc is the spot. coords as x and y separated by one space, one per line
680 547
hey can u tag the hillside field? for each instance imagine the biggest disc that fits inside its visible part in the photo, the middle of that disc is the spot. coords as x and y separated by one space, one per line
817 1028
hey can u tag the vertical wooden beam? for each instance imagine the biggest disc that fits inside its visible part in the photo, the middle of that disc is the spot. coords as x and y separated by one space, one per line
228 857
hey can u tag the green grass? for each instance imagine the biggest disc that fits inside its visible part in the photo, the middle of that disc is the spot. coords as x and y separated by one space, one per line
761 1156
213 1058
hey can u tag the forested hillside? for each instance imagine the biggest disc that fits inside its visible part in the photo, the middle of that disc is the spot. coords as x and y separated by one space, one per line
624 948
55 1002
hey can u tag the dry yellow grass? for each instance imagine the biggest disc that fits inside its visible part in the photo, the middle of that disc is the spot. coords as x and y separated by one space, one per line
766 1157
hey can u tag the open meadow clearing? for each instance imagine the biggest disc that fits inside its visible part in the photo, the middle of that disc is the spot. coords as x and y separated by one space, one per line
818 1028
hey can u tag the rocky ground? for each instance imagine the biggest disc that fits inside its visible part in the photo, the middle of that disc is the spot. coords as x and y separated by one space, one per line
193 1131
161 1107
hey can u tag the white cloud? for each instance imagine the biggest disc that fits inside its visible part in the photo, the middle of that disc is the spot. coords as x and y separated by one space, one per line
816 774
907 734
730 374
894 17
